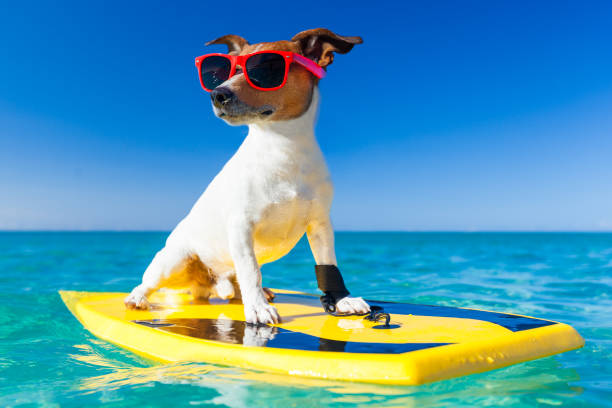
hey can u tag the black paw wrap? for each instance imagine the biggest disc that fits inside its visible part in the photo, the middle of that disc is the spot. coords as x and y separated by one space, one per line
331 283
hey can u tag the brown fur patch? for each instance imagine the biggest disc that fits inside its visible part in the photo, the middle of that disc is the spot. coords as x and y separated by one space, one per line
290 101
196 271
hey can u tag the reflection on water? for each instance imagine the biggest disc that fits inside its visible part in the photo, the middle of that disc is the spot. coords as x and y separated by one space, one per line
234 387
121 376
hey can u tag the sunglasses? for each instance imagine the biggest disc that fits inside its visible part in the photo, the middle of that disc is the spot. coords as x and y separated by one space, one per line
263 70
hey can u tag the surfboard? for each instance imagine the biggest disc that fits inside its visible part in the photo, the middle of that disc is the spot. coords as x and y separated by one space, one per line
419 343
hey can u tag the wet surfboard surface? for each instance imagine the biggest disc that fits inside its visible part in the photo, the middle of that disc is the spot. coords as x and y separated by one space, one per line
421 344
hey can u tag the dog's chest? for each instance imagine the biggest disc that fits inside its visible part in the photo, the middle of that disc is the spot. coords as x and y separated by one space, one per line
278 181
284 177
287 201
281 224
288 194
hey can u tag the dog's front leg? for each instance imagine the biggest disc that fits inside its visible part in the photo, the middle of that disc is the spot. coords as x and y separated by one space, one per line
256 307
321 239
159 270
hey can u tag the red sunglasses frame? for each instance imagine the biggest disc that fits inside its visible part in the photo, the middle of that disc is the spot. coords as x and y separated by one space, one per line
290 57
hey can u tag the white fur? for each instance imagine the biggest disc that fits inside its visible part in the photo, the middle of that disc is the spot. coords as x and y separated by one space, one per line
274 189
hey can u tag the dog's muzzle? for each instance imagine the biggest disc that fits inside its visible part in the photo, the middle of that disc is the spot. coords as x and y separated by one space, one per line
228 106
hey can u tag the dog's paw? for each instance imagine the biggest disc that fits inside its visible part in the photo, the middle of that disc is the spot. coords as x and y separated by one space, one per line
352 305
261 312
136 300
258 336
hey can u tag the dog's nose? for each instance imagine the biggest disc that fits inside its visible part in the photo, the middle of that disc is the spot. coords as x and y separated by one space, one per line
221 96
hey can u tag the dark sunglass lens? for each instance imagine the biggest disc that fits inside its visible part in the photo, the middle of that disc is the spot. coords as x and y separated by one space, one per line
266 70
215 70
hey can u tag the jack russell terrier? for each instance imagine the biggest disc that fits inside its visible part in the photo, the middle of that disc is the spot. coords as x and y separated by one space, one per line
274 189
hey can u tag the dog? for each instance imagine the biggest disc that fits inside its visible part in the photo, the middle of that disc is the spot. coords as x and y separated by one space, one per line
274 189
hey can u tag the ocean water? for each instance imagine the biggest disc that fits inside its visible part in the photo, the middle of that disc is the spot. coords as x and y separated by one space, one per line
48 359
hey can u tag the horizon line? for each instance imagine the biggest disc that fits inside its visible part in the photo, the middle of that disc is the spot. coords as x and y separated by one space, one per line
432 231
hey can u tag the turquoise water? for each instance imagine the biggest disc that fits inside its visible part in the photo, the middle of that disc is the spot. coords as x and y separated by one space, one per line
48 359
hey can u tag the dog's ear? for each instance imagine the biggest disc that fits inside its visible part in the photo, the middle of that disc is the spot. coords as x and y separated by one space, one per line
319 44
235 43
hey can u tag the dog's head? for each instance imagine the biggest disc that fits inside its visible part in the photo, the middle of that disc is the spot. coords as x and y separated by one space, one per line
236 102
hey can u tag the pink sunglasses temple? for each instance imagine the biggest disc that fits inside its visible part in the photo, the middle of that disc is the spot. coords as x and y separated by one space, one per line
309 65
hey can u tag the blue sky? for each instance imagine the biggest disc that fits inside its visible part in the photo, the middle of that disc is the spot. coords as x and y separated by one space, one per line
471 115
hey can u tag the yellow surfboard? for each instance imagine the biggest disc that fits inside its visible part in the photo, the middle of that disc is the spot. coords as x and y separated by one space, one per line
420 344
